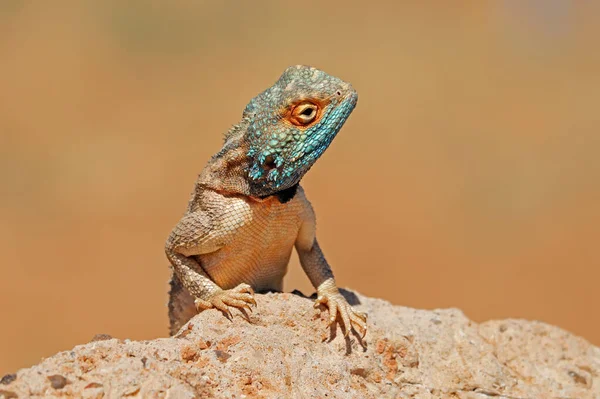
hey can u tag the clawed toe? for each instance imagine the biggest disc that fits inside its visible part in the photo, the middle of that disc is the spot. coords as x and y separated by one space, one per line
350 318
241 297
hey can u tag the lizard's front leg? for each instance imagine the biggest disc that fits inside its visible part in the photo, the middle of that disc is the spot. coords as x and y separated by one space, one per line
318 271
207 294
193 236
320 274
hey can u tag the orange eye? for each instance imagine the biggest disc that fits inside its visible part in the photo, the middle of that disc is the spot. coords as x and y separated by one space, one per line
304 113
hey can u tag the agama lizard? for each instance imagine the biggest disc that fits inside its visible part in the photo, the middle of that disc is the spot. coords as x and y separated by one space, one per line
247 209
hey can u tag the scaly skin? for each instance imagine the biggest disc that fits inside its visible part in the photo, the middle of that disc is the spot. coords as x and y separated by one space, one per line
248 211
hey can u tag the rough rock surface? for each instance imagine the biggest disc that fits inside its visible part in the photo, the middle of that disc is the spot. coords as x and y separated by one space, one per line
285 352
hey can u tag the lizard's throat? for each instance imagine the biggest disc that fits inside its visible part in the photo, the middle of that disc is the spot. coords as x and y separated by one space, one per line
284 195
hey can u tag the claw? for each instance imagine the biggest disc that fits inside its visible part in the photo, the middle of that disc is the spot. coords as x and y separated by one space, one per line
241 297
350 319
358 321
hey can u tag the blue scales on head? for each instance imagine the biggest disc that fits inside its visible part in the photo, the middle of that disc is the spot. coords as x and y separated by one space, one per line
291 124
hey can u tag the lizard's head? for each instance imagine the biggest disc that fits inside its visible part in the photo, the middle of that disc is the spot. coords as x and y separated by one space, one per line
291 124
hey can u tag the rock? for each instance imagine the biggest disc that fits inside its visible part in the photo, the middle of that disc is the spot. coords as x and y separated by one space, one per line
57 381
285 351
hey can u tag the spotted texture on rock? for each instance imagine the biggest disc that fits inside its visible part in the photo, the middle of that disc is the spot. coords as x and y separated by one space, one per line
278 353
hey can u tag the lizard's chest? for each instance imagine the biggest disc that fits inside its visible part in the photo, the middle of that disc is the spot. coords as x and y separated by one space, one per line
270 226
260 248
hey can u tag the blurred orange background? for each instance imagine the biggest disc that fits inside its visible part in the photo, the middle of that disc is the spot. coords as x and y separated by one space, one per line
468 176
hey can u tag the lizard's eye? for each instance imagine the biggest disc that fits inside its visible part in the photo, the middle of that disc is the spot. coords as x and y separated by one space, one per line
304 113
307 112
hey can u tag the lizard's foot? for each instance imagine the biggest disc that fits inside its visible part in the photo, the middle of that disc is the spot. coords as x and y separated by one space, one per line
240 297
351 319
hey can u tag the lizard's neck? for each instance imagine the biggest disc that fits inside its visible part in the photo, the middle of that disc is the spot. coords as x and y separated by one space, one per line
227 171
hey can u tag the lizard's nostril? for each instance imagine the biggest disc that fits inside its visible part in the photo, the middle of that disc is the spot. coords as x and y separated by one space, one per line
339 93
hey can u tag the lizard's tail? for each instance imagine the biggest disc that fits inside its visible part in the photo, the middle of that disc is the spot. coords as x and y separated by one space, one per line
181 305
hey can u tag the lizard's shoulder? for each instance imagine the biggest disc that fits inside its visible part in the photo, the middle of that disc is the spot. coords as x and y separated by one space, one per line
212 220
227 211
300 197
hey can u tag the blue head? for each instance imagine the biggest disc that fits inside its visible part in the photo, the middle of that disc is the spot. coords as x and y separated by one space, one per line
291 124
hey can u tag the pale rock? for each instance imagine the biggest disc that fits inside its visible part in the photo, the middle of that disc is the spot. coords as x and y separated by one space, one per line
284 351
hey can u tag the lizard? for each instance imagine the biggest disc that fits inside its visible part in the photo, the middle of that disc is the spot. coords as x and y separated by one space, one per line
247 210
